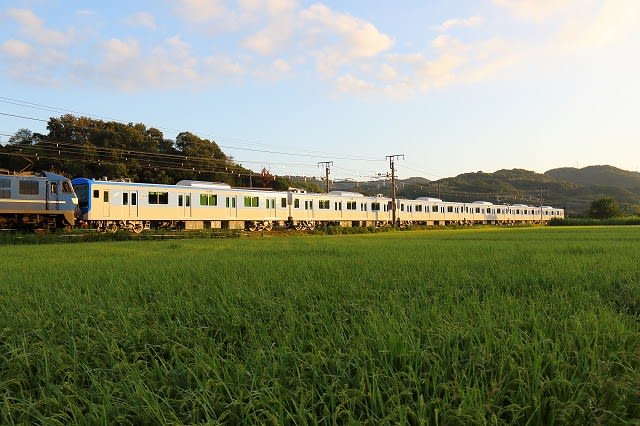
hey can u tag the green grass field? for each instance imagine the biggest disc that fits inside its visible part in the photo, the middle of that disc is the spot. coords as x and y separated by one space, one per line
530 325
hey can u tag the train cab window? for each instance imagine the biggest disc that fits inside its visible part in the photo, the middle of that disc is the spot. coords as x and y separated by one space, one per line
66 187
54 187
96 193
125 198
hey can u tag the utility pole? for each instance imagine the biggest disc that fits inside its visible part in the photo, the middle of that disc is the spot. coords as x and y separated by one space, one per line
540 206
327 170
393 183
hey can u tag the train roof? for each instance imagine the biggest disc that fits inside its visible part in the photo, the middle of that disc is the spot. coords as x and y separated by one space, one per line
345 194
204 184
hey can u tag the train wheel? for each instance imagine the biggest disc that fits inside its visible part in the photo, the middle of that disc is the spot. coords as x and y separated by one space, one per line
137 228
299 226
111 227
253 225
311 225
268 226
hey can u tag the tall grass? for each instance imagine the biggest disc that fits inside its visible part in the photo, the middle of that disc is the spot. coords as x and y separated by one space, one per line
471 326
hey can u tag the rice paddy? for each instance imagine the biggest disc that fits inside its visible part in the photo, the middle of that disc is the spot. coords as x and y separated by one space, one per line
528 325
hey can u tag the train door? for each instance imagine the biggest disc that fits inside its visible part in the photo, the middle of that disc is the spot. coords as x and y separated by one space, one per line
130 204
230 206
271 207
106 203
52 196
184 204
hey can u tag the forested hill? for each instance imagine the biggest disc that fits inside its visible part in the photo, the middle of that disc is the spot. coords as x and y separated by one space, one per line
572 191
81 146
598 175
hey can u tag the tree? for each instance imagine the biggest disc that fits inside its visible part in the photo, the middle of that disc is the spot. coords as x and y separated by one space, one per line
22 137
604 208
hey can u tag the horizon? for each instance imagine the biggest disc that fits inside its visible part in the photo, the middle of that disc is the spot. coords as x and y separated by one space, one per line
285 84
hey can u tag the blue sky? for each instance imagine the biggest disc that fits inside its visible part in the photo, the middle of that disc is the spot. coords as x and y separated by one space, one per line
455 85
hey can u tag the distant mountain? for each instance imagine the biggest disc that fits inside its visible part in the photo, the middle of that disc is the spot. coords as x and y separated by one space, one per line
597 175
568 188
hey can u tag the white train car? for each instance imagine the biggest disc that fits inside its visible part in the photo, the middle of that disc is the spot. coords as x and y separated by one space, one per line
45 201
112 205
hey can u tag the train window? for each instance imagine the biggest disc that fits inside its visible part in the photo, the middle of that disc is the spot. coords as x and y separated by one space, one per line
338 205
251 202
434 208
375 207
187 200
5 188
125 198
158 198
324 204
54 187
296 203
208 199
66 187
283 202
449 209
351 205
308 204
105 196
231 202
134 198
96 193
179 200
29 187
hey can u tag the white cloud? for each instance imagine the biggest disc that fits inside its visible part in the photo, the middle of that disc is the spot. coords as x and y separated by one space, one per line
351 84
32 28
613 21
337 39
540 10
270 40
272 7
199 11
222 65
473 21
281 67
16 49
141 19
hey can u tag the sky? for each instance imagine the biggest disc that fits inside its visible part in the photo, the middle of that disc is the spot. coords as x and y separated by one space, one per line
449 86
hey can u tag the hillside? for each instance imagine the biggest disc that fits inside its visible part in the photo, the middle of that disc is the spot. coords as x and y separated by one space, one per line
597 175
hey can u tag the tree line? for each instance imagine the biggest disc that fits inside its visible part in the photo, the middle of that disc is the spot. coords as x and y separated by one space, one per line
82 146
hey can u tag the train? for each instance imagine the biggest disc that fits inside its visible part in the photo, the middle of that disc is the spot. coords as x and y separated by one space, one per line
110 205
41 201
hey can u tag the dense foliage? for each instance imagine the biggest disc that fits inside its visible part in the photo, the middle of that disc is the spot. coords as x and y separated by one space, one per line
518 326
81 146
